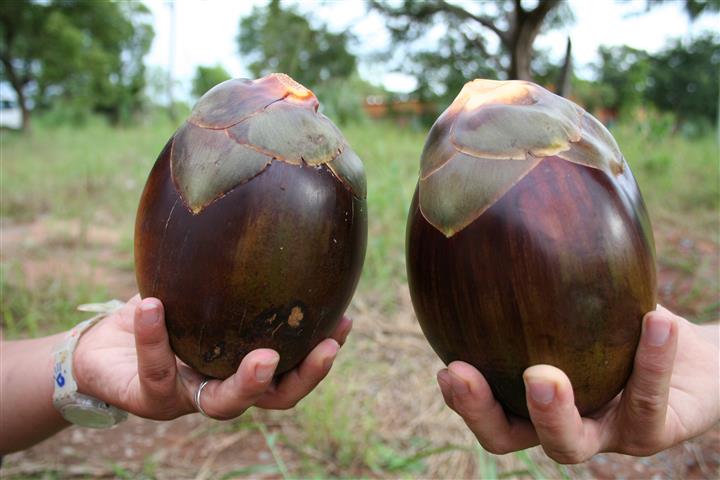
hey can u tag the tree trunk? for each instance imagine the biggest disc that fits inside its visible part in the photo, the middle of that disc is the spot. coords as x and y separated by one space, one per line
24 109
520 56
525 27
18 85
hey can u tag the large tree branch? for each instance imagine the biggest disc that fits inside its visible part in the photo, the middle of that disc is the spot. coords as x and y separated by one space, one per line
477 43
427 9
15 81
524 30
536 16
18 86
486 22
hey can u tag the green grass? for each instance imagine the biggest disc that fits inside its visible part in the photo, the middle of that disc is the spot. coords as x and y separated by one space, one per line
46 308
344 437
72 171
679 177
391 156
98 171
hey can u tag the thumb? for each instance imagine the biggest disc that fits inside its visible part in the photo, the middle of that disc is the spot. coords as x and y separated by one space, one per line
156 361
645 399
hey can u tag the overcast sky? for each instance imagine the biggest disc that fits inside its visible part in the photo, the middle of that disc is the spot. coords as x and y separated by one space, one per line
206 33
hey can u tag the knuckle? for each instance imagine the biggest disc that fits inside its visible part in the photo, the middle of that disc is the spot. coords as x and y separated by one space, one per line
565 456
287 405
470 414
646 404
165 414
641 443
653 365
292 403
226 414
284 402
496 446
160 375
151 341
549 424
643 448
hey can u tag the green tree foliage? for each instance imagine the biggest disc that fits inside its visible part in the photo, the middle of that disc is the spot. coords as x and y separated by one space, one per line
684 78
341 98
207 77
88 53
623 72
694 8
681 79
277 39
448 43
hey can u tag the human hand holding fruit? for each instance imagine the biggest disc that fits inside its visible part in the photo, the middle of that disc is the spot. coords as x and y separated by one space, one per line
126 360
672 395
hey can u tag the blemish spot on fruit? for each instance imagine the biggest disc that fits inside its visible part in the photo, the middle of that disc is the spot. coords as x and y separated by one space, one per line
215 353
296 316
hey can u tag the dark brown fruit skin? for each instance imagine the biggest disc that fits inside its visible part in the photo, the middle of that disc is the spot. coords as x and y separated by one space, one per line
237 276
560 271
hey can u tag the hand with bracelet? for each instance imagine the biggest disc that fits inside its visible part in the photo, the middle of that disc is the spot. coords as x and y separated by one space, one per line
125 360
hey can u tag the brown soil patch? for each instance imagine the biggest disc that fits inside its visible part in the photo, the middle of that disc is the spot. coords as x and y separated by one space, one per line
69 250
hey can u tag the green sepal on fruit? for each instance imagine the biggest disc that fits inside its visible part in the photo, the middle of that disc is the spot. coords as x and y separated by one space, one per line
240 126
491 136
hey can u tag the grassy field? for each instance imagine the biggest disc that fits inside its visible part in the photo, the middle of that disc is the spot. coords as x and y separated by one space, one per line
68 200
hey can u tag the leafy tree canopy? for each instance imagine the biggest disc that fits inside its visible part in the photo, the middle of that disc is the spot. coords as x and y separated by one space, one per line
694 8
277 39
82 51
683 78
624 72
447 43
207 77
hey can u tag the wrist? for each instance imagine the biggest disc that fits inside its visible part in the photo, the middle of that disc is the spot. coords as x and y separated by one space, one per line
70 375
82 363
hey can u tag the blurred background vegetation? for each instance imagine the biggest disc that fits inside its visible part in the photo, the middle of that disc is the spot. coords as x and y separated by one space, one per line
89 58
94 117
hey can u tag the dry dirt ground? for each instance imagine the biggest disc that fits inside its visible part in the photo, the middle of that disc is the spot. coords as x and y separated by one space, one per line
195 447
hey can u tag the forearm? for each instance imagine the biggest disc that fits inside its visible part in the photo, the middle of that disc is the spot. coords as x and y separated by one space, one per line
27 414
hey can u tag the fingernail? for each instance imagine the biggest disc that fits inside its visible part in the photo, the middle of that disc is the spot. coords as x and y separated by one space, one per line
657 330
265 370
149 313
541 391
459 386
346 331
443 378
327 363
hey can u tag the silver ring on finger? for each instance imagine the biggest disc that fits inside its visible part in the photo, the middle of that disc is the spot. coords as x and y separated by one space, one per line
197 398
